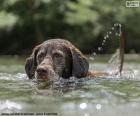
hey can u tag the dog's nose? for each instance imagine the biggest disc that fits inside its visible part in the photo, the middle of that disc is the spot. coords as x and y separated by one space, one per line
42 70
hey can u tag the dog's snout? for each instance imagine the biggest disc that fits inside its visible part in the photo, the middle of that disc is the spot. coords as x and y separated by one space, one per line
42 70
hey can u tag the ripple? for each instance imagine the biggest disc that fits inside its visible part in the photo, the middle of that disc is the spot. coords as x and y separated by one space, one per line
13 77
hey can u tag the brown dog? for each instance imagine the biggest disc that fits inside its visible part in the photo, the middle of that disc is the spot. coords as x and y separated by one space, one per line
57 58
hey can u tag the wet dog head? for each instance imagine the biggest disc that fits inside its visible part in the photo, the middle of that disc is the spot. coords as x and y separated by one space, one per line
56 58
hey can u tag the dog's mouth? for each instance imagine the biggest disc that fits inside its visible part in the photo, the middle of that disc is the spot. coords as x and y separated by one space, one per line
43 84
42 77
43 81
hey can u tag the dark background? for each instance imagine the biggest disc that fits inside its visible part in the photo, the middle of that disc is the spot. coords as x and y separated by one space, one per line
26 23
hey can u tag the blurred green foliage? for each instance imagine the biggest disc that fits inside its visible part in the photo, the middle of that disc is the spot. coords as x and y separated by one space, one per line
25 23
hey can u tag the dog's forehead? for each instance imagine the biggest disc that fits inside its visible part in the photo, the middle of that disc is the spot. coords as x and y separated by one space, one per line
58 42
52 45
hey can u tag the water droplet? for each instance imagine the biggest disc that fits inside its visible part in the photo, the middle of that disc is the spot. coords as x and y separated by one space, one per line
116 24
104 41
98 106
91 58
94 53
83 105
117 34
107 36
119 25
110 32
99 48
103 44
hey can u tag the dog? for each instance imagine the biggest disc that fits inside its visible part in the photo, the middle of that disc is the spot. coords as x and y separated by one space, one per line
57 58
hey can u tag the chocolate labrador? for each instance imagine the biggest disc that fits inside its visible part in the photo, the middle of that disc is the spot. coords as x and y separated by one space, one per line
56 58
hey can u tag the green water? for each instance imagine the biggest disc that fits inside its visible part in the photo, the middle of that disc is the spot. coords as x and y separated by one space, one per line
111 96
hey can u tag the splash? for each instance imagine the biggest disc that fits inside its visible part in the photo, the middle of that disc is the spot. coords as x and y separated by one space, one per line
116 30
116 61
8 106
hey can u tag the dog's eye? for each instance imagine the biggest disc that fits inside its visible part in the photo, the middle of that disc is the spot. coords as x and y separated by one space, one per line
57 55
40 57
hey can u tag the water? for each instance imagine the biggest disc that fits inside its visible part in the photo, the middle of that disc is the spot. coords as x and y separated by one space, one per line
110 96
115 32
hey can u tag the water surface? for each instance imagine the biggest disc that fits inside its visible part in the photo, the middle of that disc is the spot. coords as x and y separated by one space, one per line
110 96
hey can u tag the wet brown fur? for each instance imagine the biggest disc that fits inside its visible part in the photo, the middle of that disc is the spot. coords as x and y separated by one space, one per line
79 63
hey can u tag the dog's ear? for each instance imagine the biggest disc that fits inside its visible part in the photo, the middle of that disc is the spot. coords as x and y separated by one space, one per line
29 67
80 64
31 63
